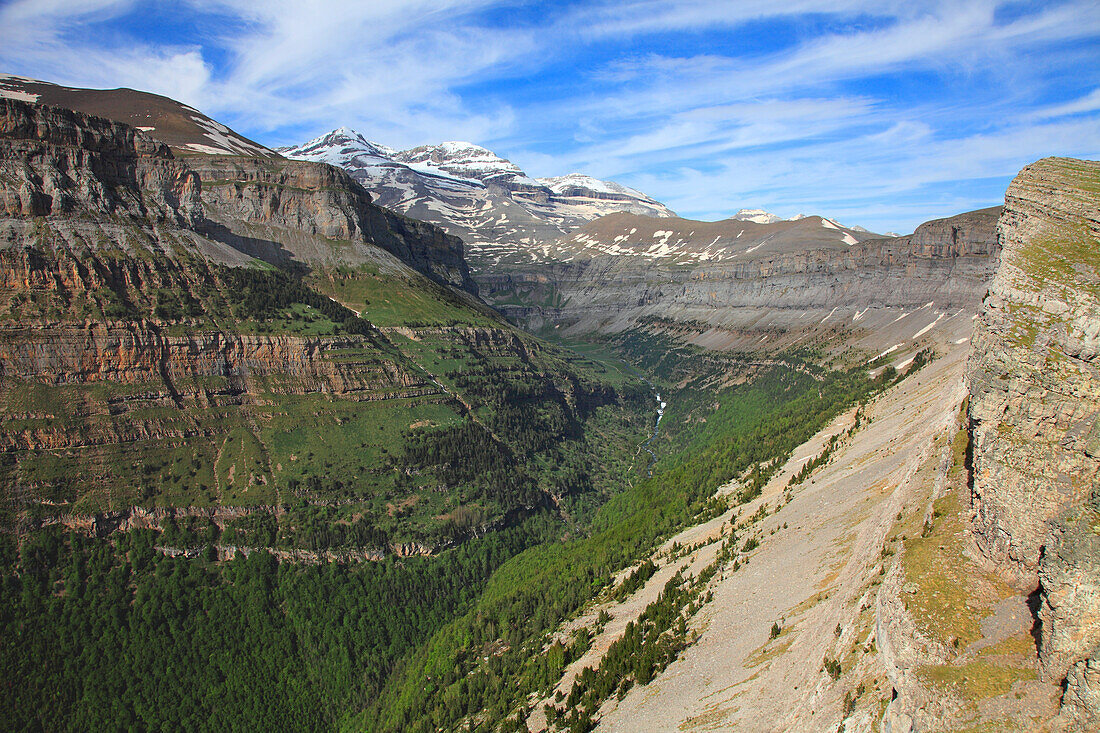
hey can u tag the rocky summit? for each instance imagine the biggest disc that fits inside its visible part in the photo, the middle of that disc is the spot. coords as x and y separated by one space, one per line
499 211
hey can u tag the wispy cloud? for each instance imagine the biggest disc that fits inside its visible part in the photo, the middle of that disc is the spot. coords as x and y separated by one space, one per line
386 65
894 109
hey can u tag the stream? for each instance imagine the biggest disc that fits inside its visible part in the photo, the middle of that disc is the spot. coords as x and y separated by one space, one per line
661 404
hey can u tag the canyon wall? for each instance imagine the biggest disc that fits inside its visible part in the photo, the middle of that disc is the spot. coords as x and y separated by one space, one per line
277 209
868 285
56 161
60 162
1035 415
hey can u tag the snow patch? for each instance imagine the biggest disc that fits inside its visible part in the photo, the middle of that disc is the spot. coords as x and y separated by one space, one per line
208 149
889 351
927 328
18 94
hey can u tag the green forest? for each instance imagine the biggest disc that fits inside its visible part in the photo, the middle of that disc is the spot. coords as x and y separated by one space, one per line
110 634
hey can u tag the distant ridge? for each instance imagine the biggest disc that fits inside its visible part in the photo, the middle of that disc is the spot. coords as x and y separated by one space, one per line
183 128
473 193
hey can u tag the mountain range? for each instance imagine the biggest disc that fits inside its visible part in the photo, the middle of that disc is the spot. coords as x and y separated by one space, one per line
269 459
469 191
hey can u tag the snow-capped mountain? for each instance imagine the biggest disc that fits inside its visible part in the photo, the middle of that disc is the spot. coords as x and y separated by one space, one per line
687 241
759 216
488 201
345 148
468 162
578 185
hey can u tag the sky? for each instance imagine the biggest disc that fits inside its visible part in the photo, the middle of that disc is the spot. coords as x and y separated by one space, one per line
878 113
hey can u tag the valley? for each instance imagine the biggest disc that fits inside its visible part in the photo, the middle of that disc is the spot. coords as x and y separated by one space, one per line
336 436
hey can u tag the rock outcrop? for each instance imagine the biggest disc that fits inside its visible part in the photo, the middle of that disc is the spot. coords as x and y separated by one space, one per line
294 201
788 279
1035 414
57 161
60 161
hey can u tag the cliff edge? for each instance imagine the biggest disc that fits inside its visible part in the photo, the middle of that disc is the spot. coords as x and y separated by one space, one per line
1035 417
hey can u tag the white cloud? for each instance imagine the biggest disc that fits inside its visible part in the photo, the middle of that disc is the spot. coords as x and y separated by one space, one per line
874 180
1088 103
888 106
634 17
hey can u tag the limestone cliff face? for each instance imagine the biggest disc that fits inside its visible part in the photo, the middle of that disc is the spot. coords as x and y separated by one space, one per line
291 201
946 262
1035 413
57 161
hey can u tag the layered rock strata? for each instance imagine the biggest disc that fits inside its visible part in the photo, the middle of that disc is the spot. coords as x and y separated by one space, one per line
875 286
60 162
56 161
254 202
1035 414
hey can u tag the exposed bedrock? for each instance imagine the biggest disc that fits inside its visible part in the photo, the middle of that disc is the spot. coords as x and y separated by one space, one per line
1035 415
947 262
66 165
56 161
291 201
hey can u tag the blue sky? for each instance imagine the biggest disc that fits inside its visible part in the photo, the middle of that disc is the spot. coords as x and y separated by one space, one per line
883 114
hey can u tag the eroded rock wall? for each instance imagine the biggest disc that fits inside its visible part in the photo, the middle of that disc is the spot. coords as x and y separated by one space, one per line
947 262
291 201
1035 413
57 161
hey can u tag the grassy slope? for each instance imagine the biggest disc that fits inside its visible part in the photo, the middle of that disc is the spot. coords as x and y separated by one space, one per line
479 669
324 455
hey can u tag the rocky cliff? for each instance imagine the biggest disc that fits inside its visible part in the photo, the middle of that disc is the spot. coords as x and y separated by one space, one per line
64 160
1035 414
175 335
292 203
57 161
786 279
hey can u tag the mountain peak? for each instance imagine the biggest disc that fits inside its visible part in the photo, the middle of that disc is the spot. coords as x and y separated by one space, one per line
756 215
343 147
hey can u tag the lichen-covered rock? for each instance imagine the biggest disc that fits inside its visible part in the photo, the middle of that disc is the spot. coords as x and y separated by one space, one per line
1035 403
